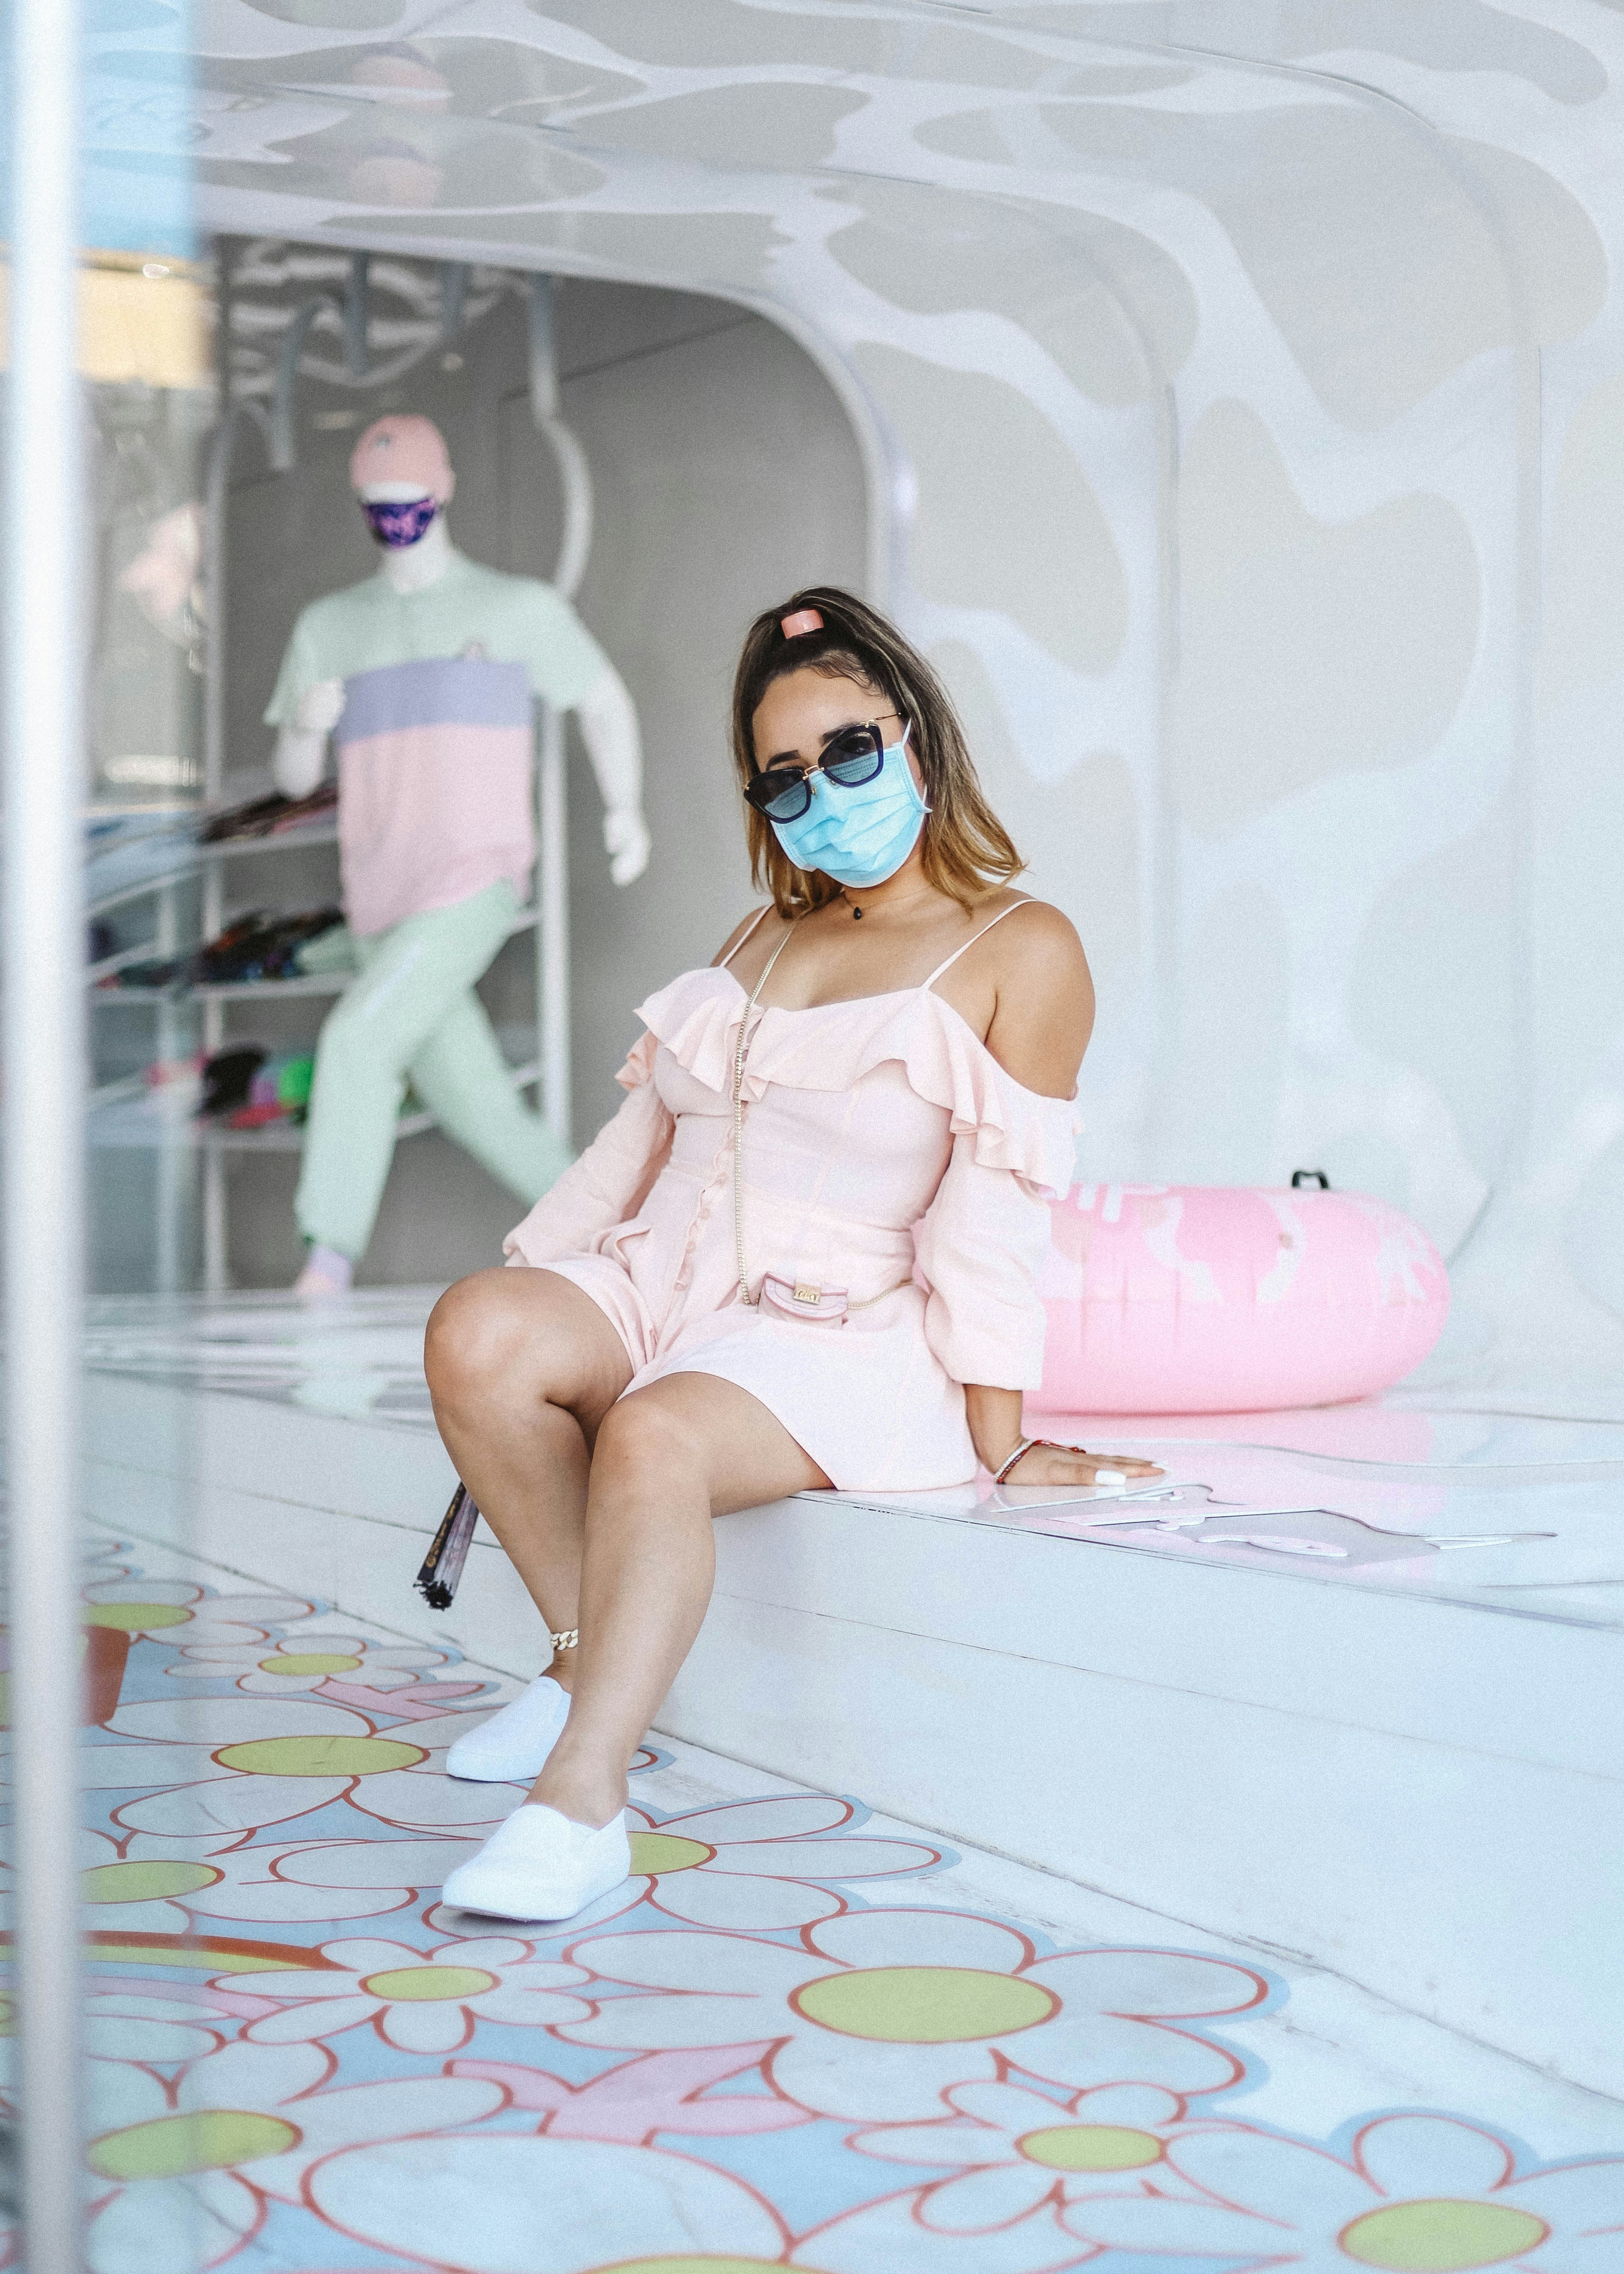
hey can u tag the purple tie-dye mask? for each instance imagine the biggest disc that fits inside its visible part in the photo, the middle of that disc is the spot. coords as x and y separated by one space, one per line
398 521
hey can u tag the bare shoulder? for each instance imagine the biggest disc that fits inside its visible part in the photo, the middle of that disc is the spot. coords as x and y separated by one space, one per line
1040 943
1044 1015
739 933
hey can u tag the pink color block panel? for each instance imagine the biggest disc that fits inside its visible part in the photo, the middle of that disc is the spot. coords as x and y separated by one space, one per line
1197 1298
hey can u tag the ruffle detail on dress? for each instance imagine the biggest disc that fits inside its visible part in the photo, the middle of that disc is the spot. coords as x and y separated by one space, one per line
833 1045
639 1066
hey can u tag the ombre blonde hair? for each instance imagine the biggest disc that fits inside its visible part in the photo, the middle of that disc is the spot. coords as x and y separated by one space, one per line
966 851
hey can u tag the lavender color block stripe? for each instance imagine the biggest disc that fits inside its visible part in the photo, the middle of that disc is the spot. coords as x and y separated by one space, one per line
456 746
452 691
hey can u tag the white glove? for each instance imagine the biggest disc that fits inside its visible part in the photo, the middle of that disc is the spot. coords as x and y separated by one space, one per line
626 840
320 707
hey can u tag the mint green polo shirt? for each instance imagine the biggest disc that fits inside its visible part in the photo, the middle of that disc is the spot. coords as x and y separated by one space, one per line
510 619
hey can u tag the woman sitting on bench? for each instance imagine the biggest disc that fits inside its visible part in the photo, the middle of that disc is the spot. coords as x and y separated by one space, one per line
802 1254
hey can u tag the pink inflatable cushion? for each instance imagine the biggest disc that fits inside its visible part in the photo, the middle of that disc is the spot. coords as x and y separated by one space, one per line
1196 1298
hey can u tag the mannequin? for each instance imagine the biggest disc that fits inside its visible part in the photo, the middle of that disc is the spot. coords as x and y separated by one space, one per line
424 675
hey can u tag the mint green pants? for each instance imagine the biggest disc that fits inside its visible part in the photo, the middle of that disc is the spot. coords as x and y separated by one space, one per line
412 1012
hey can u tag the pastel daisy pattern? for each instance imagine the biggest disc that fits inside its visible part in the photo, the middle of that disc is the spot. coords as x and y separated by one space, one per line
142 2021
1018 2150
154 1606
750 1864
505 2202
881 2012
147 1606
888 2236
322 1880
1421 2195
320 1660
946 2094
419 2002
186 2172
139 1893
268 1761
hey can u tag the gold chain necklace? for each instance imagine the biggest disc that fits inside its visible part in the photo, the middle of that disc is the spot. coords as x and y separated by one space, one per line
741 1048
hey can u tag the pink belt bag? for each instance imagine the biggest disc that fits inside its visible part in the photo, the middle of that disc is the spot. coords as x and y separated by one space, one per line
798 1300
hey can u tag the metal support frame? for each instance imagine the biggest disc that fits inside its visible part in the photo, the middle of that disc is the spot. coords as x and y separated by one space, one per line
44 1027
552 814
174 1165
216 497
281 437
453 276
574 474
357 310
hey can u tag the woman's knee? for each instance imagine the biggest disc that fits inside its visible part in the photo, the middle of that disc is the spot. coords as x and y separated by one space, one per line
524 1339
644 1439
473 1337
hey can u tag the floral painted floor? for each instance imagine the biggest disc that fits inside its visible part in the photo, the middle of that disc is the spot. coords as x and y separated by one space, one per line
795 2039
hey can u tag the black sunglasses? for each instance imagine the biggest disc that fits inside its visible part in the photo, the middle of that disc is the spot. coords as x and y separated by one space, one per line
852 757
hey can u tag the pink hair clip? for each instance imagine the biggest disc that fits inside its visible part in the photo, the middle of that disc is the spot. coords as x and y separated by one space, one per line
804 620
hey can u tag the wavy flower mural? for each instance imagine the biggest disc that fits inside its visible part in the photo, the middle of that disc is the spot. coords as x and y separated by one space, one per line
810 2065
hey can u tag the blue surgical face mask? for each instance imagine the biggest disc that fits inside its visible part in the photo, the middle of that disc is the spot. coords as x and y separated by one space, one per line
861 836
399 521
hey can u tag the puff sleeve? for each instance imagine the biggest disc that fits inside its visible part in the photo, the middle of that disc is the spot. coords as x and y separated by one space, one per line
611 1179
978 1246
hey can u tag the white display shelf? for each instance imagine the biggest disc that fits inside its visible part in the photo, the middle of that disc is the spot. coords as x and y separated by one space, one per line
126 1114
328 983
192 860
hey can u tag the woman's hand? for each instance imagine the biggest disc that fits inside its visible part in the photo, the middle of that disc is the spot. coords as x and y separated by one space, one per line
995 1420
1049 1466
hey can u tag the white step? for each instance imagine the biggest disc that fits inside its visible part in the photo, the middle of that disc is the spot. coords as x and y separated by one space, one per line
1400 1770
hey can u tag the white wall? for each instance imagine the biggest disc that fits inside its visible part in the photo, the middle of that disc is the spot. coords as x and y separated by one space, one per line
1244 384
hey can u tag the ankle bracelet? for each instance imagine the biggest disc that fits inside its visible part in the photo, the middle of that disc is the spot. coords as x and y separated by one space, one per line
566 1640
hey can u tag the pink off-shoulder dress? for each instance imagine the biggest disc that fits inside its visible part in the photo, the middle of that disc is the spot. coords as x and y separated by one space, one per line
884 1149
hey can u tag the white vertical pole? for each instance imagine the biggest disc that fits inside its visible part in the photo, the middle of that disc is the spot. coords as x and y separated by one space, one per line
552 927
217 506
172 1158
553 866
45 1061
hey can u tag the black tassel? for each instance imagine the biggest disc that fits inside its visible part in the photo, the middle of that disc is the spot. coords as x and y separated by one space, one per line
442 1566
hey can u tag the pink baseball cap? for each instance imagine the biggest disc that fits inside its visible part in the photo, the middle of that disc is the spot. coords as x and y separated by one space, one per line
404 447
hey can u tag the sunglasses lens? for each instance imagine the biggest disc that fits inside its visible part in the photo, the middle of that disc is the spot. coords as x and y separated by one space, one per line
782 795
855 757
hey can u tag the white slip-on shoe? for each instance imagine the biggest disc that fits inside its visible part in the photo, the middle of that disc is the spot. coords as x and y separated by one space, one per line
541 1865
512 1746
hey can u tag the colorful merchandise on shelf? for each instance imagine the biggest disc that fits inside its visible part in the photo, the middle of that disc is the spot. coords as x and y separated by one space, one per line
164 1073
1192 1298
331 955
227 1075
278 1091
261 945
268 816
